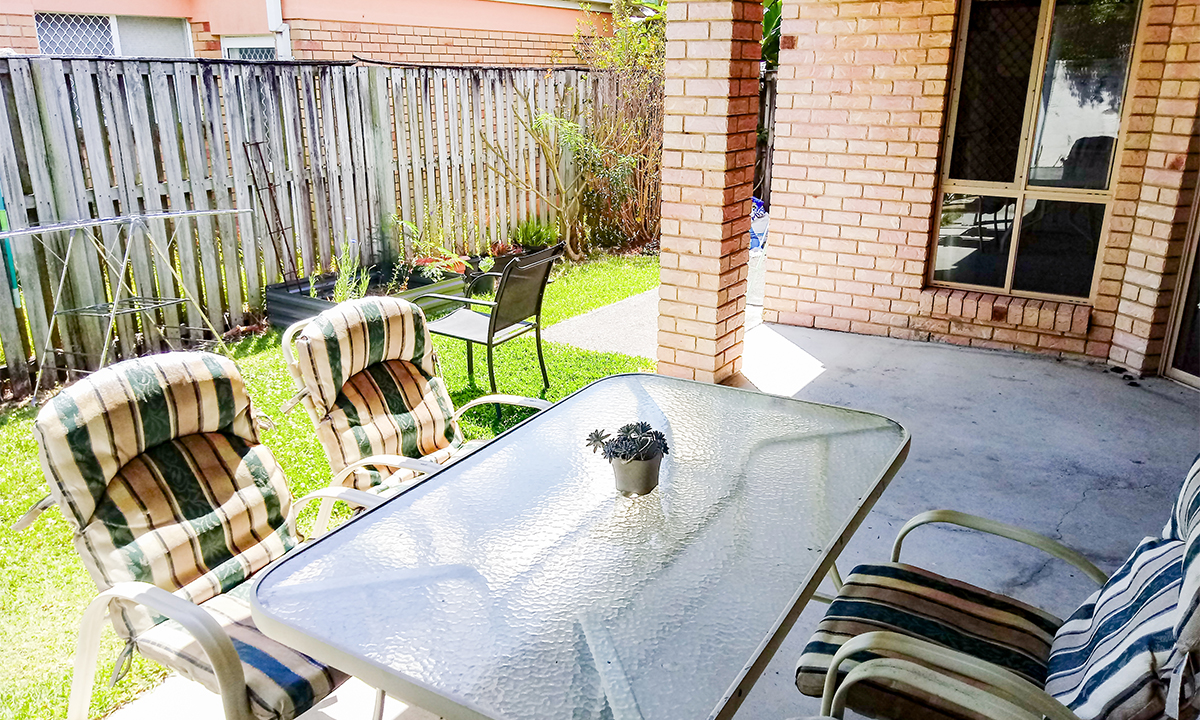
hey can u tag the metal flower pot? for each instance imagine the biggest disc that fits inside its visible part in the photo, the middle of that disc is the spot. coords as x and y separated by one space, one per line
637 477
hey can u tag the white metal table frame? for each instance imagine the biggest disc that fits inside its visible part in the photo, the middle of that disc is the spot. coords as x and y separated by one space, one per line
414 692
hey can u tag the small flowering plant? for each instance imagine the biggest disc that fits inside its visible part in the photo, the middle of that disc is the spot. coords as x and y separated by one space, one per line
635 441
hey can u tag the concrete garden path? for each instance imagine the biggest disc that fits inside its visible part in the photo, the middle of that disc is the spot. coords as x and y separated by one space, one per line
1073 451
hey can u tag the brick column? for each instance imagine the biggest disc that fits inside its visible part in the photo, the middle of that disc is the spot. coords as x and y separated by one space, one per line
711 114
1156 179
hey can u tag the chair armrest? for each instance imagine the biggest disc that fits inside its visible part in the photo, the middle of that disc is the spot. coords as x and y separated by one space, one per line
32 513
202 626
289 358
1008 685
293 401
345 494
517 400
456 298
890 672
395 462
994 527
480 276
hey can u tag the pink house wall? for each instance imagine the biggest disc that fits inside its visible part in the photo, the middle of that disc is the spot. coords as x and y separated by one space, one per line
457 14
447 31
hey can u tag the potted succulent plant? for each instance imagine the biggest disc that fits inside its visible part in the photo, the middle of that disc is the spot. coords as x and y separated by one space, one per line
635 453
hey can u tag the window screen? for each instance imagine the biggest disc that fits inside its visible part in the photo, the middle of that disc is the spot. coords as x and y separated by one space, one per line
70 34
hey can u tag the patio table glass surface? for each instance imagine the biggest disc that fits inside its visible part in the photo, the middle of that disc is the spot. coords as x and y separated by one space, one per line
518 584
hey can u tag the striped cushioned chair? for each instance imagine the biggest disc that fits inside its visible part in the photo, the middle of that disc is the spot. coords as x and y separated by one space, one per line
157 466
1125 654
367 373
908 599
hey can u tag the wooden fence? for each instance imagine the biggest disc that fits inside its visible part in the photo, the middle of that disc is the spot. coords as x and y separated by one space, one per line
348 147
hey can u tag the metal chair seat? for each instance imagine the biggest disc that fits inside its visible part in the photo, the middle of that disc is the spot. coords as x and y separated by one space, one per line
472 326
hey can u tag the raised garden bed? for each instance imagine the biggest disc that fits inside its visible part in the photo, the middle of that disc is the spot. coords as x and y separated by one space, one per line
288 303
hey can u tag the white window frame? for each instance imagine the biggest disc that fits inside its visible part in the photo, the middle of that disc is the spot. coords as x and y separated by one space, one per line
281 41
112 29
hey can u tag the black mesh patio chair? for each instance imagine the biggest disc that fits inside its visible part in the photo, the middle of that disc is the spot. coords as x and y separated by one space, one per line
516 310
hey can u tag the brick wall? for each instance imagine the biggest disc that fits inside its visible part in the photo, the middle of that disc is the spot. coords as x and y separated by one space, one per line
204 43
1157 177
862 102
711 112
18 32
862 88
330 40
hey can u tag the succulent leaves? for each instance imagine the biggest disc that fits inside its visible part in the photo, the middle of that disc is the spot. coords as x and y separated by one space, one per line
635 441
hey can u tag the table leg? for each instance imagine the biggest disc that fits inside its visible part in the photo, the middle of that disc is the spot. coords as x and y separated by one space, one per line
836 578
380 697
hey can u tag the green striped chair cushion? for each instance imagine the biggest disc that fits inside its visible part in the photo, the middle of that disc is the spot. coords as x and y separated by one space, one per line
915 602
1113 658
280 682
370 371
156 465
347 339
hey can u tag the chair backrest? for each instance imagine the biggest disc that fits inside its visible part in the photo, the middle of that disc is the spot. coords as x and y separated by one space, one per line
1087 163
157 466
522 286
1185 514
1185 525
373 387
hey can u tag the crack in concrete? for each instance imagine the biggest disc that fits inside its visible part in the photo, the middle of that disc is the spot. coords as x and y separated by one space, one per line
1026 579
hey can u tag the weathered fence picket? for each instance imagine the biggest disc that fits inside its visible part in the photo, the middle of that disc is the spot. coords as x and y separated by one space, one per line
349 148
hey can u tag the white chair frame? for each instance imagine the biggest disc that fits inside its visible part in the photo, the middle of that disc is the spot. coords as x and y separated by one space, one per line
1003 694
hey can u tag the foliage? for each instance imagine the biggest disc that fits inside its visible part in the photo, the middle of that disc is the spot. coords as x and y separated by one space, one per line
772 14
533 234
424 247
352 278
1093 39
502 248
627 117
439 232
635 441
561 138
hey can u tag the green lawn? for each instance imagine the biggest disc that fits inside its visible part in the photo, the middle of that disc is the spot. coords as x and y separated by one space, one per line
43 586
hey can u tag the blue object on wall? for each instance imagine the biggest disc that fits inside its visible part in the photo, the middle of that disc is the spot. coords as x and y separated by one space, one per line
9 269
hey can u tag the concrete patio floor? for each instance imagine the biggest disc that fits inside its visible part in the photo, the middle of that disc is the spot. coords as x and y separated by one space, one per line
1070 450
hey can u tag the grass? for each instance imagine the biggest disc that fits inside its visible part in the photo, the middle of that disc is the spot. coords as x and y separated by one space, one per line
44 587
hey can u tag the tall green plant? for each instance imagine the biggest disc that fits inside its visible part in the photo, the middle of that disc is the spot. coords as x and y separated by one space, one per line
574 159
627 117
352 278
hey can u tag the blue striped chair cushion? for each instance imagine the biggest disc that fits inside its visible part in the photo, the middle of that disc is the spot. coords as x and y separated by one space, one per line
1114 656
280 682
1183 526
915 602
1187 507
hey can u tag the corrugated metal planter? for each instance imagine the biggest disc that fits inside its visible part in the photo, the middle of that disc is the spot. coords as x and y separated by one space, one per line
288 303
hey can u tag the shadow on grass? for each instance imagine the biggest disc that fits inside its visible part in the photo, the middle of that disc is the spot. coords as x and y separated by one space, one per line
256 344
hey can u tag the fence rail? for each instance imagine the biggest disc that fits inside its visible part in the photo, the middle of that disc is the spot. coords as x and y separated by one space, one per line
348 148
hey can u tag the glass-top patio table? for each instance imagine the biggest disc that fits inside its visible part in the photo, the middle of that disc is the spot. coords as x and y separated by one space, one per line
518 584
